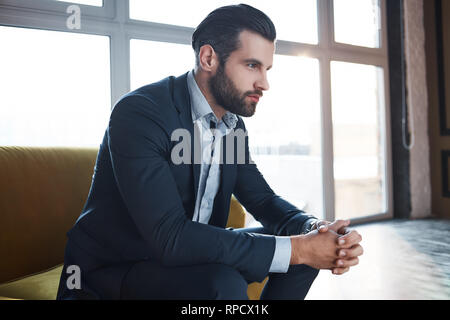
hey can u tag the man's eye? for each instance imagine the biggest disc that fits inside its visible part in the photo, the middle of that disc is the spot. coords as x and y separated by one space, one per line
251 65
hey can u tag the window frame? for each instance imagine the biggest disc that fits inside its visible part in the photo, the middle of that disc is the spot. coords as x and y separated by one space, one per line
113 20
59 7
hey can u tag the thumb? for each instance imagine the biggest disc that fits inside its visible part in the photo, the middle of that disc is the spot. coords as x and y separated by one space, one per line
323 228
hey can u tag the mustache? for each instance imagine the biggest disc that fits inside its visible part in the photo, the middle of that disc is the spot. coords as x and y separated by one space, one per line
252 93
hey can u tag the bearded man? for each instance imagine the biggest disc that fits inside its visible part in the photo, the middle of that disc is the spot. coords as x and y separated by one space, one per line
154 227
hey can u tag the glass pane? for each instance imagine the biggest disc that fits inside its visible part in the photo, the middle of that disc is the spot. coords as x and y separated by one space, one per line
359 160
55 88
285 135
151 61
357 22
294 20
97 3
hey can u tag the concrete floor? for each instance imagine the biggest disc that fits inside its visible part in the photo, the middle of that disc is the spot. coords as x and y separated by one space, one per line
403 260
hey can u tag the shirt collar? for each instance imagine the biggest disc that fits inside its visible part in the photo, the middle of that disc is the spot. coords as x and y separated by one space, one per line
200 107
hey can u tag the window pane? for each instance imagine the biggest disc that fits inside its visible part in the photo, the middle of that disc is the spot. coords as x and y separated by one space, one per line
294 20
55 88
359 171
357 22
284 133
151 61
97 3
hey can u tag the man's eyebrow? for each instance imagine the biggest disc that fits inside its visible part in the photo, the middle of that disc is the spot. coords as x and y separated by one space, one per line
255 61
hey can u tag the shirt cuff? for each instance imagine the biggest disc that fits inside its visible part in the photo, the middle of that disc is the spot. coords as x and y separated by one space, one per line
282 255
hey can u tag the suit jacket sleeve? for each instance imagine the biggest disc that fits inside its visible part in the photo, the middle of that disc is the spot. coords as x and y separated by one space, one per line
275 214
140 152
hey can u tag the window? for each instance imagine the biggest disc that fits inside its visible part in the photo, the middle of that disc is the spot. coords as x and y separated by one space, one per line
359 168
57 96
295 20
319 135
152 61
357 22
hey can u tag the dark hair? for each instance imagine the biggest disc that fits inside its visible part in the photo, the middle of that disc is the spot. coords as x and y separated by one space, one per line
221 29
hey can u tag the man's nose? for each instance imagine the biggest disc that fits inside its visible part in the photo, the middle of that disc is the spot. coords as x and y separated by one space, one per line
262 83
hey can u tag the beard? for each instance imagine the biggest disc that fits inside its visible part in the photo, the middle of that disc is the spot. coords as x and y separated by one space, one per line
229 97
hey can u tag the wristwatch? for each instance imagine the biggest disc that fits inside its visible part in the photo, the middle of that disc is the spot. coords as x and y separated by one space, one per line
309 225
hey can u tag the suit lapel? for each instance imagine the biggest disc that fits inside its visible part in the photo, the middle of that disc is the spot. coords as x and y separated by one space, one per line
182 102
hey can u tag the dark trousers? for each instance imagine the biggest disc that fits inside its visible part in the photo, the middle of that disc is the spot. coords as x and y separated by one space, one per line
149 280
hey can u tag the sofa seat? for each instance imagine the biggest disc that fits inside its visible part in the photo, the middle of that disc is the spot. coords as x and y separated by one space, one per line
40 286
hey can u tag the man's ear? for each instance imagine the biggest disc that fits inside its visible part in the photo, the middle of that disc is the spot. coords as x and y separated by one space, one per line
208 59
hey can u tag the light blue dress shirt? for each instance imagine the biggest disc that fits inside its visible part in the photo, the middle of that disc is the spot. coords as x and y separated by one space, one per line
209 180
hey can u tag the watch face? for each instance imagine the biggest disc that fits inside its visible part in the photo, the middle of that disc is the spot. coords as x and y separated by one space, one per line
311 225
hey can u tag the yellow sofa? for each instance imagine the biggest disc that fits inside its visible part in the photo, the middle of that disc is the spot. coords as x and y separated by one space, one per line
42 192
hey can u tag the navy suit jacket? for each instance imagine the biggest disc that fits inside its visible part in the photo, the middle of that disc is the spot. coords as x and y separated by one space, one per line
140 204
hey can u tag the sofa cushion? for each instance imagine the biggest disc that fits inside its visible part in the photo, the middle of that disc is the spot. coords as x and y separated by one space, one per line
44 286
236 216
40 286
43 191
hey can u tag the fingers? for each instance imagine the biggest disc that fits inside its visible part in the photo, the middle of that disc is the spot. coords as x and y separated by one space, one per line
354 251
349 240
339 224
343 230
341 263
339 271
347 258
342 266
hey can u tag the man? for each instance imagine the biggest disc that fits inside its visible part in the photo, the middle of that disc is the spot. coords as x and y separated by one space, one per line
153 227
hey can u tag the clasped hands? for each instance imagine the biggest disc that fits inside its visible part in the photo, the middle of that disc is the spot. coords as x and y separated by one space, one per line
348 243
329 245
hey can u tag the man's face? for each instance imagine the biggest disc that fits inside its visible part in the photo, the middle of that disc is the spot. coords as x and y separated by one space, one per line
238 86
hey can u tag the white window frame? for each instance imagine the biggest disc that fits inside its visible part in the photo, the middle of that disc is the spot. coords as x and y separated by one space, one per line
113 20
